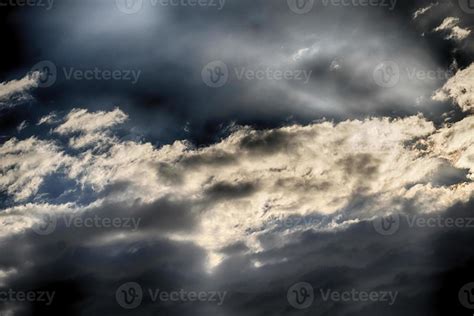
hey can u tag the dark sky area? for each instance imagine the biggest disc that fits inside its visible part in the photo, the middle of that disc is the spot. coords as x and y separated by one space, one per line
243 157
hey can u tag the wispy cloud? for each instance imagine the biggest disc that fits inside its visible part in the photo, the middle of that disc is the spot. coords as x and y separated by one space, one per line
423 10
459 88
450 25
252 177
16 91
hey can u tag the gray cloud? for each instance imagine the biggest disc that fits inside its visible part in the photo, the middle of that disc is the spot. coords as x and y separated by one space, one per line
248 188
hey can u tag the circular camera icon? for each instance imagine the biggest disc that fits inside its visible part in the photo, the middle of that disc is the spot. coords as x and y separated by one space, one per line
466 295
300 6
387 225
45 73
46 226
387 74
300 295
129 6
215 74
467 6
129 295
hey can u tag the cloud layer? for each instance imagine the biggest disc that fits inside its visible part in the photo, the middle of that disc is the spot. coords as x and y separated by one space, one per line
249 188
16 91
459 88
251 178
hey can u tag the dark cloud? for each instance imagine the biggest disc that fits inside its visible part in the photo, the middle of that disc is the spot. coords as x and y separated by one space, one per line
268 141
360 165
170 92
339 47
224 190
208 159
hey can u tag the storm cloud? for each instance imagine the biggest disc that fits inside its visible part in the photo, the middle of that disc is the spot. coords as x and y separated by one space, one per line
236 158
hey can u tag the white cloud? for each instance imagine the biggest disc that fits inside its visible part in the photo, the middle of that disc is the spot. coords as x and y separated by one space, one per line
128 162
80 120
15 91
24 165
91 127
422 11
460 88
306 52
5 274
241 184
456 144
321 170
450 25
22 126
47 119
18 218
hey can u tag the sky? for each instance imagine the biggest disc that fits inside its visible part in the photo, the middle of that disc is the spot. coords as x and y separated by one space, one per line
236 157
